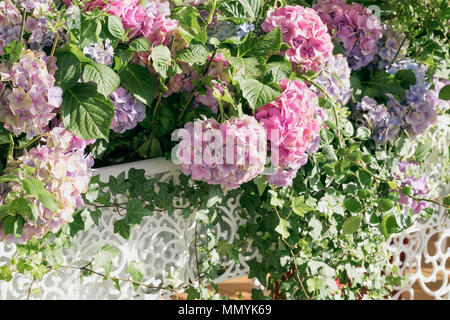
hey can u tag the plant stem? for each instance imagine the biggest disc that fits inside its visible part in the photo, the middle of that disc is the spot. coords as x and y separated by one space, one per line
398 51
11 147
22 27
55 42
211 12
29 143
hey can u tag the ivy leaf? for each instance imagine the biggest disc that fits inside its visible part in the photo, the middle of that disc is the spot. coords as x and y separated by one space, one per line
103 258
69 70
258 94
36 188
140 82
115 27
137 272
351 225
140 45
104 77
87 113
262 46
77 224
122 228
282 229
136 212
161 59
195 54
353 205
5 273
300 207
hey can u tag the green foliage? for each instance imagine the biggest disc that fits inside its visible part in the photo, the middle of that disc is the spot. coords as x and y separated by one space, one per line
86 112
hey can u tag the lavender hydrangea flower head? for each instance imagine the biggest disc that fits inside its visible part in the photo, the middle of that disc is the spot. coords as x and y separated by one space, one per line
354 27
389 47
100 52
420 102
128 111
384 125
335 79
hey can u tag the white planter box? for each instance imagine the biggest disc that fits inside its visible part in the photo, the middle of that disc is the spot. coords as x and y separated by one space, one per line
165 243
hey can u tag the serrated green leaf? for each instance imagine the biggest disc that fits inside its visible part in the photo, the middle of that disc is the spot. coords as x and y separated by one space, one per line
105 78
87 113
258 94
69 70
140 82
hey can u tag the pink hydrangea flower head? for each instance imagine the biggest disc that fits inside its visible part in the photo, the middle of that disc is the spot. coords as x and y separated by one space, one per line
302 29
227 154
293 123
65 171
92 4
150 21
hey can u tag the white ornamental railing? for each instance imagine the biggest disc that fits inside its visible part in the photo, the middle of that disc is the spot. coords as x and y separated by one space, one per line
164 243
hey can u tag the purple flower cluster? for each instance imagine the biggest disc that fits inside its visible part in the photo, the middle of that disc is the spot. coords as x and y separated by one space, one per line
335 80
65 171
408 173
420 101
354 27
229 153
28 95
100 52
389 46
384 125
129 111
36 24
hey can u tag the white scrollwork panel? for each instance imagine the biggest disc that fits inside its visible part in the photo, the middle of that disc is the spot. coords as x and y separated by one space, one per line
164 243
